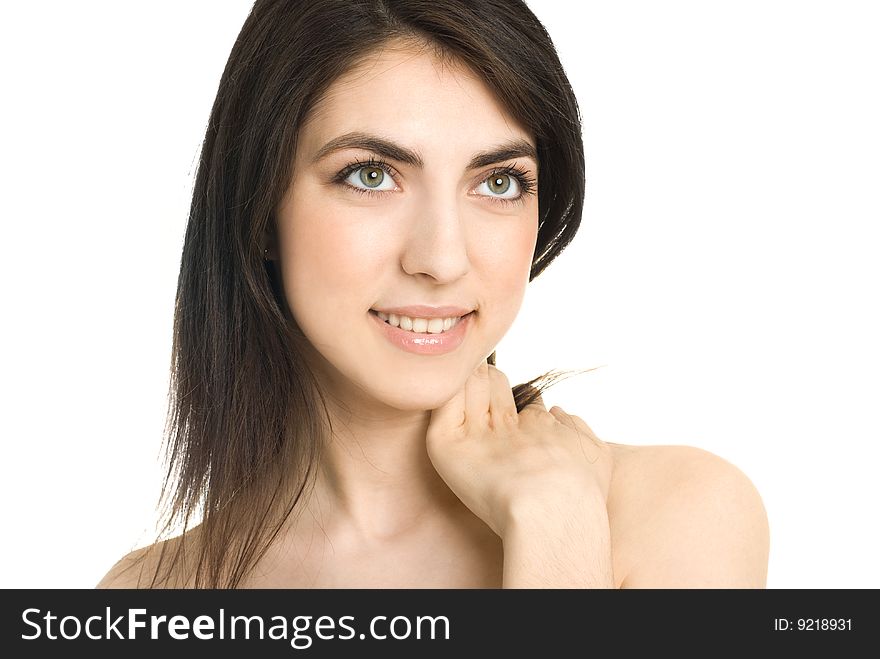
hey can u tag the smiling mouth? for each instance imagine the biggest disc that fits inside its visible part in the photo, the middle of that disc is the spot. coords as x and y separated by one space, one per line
420 325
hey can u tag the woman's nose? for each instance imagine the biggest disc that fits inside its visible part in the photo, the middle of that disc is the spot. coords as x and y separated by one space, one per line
437 242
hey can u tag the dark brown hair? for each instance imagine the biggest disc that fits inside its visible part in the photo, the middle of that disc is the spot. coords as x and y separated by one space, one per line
242 400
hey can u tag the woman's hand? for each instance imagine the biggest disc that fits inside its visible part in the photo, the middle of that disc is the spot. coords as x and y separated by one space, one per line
500 463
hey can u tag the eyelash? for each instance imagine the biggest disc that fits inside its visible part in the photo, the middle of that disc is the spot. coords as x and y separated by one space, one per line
527 184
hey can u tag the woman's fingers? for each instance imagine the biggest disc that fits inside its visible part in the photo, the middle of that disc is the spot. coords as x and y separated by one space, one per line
485 395
477 395
485 400
502 407
448 417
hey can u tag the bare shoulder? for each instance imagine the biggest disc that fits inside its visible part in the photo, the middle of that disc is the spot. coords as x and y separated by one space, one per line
683 517
139 568
129 571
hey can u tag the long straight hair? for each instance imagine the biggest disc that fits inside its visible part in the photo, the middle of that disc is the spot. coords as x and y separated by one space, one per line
242 402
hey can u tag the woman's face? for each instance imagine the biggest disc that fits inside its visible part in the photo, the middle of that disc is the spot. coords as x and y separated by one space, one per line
394 203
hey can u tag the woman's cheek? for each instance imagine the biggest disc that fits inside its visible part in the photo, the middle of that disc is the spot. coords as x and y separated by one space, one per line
503 261
330 246
508 256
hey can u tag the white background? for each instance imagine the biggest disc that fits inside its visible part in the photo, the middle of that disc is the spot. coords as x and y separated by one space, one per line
725 277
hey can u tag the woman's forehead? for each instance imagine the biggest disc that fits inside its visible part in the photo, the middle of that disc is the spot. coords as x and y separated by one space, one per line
416 98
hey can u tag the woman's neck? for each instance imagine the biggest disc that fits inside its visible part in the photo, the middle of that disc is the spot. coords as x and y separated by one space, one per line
375 479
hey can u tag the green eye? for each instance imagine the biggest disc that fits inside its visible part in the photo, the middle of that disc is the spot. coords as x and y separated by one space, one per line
498 183
371 176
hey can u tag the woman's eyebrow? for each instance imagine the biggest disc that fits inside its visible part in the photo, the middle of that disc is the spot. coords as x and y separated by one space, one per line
516 148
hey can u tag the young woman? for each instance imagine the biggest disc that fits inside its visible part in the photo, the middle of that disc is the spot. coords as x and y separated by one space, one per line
379 182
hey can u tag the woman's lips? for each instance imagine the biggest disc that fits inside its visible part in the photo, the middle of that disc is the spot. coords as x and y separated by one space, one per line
423 343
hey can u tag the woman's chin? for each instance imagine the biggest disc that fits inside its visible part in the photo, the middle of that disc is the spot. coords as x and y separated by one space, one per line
412 401
403 389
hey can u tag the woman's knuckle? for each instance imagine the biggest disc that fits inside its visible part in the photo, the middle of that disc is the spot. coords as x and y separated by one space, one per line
498 377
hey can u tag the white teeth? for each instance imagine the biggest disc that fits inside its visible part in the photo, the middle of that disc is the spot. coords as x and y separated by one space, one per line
421 325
